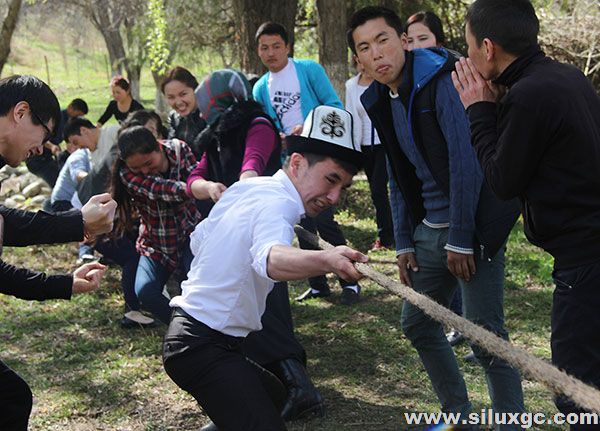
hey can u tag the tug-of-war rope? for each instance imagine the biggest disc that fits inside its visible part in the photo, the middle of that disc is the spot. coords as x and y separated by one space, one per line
554 379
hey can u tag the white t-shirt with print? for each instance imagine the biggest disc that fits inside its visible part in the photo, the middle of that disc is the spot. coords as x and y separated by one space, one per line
284 93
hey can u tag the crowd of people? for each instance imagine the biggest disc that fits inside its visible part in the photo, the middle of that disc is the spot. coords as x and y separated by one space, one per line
466 146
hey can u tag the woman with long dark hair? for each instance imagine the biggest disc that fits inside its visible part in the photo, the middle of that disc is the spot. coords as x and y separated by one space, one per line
149 180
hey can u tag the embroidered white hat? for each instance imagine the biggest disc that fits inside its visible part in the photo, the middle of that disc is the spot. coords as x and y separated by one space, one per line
327 131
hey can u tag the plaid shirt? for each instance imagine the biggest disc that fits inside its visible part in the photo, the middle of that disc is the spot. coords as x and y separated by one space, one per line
168 215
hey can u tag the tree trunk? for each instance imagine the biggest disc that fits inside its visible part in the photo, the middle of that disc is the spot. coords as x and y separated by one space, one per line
116 50
134 73
8 27
99 13
160 104
249 15
333 51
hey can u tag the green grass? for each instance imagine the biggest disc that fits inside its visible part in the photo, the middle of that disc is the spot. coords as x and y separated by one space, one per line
87 373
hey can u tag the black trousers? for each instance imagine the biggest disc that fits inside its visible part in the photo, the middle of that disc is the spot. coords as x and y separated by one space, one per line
576 329
44 166
276 341
15 400
330 231
209 365
376 170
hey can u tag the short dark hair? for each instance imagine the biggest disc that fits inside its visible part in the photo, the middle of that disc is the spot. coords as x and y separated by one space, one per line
79 105
313 158
25 88
512 24
368 13
140 118
431 21
74 125
180 74
271 28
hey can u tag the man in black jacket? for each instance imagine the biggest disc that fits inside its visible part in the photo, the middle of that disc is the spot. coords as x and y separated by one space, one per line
28 113
535 125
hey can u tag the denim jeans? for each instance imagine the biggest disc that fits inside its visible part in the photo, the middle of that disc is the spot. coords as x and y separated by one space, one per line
482 304
576 329
150 280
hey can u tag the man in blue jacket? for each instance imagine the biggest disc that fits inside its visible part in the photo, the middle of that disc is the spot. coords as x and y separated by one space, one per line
449 229
289 91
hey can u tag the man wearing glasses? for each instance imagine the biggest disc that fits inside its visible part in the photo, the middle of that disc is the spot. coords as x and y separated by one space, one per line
29 112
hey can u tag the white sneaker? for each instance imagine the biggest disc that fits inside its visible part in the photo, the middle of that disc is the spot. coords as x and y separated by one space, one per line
138 317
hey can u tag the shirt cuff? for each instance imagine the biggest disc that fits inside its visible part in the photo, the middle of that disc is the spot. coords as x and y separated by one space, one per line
460 250
460 241
405 250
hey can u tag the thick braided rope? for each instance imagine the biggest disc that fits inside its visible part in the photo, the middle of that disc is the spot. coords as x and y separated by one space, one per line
556 380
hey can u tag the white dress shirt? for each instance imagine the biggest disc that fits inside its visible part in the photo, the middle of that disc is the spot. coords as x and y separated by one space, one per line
228 284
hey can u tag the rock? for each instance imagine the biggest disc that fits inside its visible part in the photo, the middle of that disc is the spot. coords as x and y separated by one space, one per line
37 200
32 189
28 179
8 171
10 203
10 186
19 198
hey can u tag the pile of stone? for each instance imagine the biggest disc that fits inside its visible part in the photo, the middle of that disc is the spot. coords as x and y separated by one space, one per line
21 189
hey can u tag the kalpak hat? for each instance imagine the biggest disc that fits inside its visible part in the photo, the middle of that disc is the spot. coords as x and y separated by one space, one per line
327 131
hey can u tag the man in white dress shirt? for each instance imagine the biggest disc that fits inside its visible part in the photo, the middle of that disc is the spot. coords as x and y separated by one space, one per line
240 250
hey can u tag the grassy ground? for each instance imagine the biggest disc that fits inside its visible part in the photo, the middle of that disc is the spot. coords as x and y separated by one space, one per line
89 374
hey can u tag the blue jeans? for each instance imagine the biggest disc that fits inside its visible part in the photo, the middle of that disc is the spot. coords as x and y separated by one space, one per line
483 300
150 280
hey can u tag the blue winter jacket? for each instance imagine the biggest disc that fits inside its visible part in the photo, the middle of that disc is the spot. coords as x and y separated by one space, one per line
439 129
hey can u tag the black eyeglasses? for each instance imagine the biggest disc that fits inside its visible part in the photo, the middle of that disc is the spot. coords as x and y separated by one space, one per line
48 131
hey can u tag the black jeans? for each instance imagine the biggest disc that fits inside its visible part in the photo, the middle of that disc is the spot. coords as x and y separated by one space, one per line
210 366
15 400
576 329
376 170
44 166
330 231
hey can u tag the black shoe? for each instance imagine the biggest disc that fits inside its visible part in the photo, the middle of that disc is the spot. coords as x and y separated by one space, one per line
470 357
455 337
308 294
303 398
349 296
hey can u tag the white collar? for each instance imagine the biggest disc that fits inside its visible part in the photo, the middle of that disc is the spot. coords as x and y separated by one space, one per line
283 178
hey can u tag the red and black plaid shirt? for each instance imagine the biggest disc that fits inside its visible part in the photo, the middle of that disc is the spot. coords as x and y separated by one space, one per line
168 214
